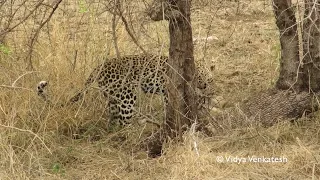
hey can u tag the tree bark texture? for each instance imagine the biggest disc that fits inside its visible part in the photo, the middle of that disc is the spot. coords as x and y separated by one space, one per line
289 63
311 46
181 110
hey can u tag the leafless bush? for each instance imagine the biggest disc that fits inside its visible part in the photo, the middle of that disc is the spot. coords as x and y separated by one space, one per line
37 13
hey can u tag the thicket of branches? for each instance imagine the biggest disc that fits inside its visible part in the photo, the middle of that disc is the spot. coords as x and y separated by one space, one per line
299 34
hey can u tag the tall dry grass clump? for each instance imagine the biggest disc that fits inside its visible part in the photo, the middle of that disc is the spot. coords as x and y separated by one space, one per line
40 140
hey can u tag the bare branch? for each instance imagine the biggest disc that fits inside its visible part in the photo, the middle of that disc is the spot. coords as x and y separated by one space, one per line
114 28
23 20
35 36
126 25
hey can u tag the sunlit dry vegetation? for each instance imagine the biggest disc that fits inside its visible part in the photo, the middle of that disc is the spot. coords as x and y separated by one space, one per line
40 140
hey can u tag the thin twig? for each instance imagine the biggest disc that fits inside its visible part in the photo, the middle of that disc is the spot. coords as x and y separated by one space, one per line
7 86
126 25
28 131
54 8
23 20
28 72
114 28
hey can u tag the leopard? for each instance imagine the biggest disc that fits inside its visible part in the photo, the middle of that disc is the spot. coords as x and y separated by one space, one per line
120 78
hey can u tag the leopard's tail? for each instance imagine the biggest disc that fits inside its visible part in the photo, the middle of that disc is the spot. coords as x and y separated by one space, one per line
93 77
42 87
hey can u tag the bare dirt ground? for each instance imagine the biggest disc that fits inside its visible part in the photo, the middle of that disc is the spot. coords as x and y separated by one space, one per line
41 141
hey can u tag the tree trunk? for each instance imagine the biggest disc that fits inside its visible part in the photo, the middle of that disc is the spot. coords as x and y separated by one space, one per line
181 108
296 74
311 46
289 62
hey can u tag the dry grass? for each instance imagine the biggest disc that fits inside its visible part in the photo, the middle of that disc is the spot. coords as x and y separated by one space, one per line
41 141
